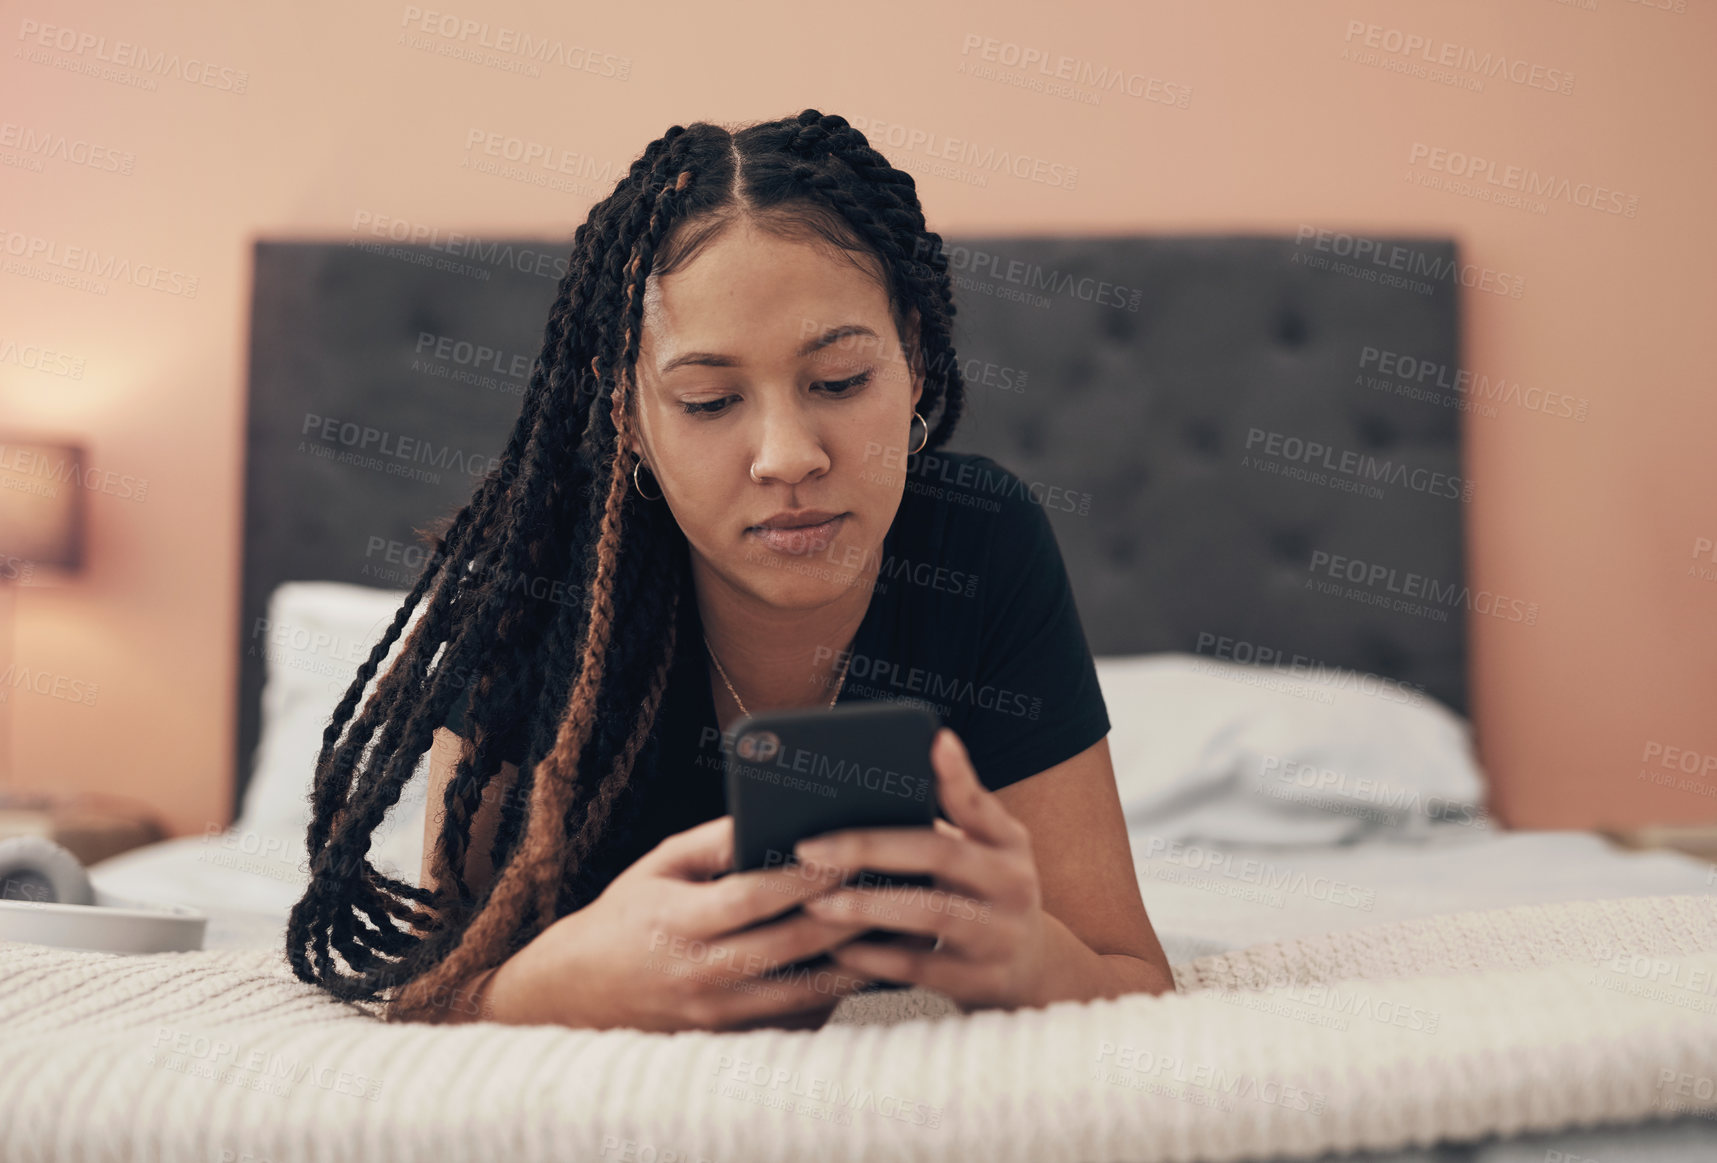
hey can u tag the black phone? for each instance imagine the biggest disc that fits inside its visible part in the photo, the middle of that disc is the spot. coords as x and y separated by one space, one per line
798 773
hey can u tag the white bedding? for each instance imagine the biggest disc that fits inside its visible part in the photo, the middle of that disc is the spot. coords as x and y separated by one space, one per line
1226 905
1497 1023
1261 808
1197 904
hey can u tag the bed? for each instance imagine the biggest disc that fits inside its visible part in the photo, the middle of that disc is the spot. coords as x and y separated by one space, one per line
1306 813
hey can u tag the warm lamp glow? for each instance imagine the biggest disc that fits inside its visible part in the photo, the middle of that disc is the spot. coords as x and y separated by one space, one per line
41 506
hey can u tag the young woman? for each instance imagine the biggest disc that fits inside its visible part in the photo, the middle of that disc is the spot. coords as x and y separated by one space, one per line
723 496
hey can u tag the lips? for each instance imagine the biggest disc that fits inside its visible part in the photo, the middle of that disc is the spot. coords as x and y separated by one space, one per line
805 539
796 519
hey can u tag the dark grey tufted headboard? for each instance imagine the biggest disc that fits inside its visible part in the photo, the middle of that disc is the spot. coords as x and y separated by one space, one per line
1248 446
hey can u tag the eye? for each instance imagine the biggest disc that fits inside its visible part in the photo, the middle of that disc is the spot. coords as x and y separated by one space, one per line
708 408
834 388
842 387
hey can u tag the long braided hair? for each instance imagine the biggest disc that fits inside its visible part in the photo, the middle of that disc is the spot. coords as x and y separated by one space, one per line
559 507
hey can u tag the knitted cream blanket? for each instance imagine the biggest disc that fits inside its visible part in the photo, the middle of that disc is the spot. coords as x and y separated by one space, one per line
1453 1027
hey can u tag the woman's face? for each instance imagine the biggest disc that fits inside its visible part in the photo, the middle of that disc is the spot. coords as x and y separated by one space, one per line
771 378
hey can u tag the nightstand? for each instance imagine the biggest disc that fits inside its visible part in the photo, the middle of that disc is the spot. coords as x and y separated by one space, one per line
91 827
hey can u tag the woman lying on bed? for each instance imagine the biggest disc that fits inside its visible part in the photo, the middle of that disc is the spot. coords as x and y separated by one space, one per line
722 496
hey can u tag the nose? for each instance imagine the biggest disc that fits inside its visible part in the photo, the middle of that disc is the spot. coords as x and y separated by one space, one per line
789 447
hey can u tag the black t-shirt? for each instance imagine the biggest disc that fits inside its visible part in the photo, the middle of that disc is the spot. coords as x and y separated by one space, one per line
971 616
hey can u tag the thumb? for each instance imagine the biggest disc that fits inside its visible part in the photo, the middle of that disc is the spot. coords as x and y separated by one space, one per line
971 807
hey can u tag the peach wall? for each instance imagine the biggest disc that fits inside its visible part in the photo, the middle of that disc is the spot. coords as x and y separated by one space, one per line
1596 520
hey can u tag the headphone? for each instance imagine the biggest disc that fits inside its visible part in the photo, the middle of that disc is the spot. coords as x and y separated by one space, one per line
46 898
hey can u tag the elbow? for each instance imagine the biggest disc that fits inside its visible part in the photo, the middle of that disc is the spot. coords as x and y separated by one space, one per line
1162 980
1140 976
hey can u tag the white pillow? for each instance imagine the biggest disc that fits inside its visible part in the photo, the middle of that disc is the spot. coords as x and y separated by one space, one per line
1219 752
315 637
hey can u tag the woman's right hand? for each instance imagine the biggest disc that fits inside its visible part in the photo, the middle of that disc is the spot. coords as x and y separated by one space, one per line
670 945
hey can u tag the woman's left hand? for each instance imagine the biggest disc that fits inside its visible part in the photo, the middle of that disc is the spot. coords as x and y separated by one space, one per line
985 904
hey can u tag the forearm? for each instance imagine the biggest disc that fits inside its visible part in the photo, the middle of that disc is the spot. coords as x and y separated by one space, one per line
469 1001
1073 971
523 991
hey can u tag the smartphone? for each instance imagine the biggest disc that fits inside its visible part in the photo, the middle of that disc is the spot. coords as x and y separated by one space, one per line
798 773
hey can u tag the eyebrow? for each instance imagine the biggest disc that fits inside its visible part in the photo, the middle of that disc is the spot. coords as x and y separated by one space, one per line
716 359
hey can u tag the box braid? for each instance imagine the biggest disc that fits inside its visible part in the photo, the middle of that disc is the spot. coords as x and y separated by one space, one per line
584 677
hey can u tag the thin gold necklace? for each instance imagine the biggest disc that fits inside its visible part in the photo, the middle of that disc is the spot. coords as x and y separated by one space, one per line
722 670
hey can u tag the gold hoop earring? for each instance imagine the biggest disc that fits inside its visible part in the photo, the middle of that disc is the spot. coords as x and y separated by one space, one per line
640 487
926 439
